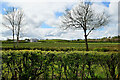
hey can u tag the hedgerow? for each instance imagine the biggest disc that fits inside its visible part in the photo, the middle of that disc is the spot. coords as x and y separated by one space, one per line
58 65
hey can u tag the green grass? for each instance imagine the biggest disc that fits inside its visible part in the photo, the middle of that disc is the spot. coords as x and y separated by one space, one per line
110 46
62 44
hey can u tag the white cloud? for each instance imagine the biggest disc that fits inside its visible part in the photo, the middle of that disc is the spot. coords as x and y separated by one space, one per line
39 11
99 8
52 33
2 29
40 0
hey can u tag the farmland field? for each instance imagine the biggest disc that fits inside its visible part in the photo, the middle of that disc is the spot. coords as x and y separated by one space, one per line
76 46
62 44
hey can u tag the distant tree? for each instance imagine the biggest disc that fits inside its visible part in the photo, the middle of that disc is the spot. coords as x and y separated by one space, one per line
28 40
84 17
9 40
78 39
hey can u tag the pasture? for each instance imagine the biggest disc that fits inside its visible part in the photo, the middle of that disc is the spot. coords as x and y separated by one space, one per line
62 45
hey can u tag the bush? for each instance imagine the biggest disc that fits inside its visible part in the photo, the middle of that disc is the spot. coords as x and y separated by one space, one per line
53 65
101 49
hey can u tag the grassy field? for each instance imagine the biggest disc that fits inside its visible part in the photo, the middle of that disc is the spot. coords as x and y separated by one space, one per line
63 44
110 46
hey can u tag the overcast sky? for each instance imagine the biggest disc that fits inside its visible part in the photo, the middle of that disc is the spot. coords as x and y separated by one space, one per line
42 19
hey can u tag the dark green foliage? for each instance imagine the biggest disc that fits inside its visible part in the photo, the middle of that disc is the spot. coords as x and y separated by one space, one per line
44 65
101 49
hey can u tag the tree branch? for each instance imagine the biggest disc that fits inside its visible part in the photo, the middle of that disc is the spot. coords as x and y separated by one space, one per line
90 31
6 26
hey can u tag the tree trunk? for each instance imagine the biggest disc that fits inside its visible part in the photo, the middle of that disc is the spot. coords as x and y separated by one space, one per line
13 39
17 40
18 35
86 42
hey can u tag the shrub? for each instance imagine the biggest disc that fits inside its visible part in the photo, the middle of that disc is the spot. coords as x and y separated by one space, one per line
101 49
34 64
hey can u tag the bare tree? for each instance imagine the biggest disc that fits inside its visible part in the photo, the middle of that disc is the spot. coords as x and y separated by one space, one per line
13 19
84 17
9 21
19 23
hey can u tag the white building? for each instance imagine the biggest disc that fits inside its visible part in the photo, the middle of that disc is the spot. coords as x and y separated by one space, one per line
33 40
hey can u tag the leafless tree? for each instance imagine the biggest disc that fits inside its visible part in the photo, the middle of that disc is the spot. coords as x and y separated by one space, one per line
84 17
9 20
19 23
13 19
